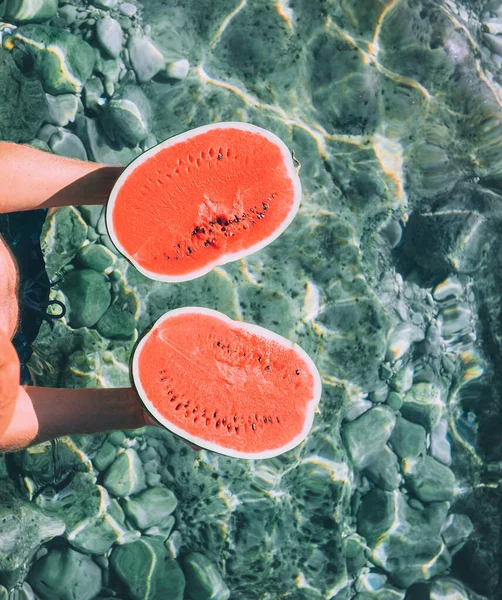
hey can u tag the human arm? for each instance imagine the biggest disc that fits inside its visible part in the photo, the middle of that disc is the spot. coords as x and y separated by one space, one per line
34 179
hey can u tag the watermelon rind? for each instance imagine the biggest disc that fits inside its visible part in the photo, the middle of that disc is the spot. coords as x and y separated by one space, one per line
203 443
292 170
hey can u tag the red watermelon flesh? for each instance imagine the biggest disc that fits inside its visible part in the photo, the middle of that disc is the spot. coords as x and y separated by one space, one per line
203 198
227 386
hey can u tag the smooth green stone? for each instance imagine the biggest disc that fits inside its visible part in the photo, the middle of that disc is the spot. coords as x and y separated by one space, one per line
449 589
162 529
383 470
407 439
204 581
430 480
117 438
125 475
30 11
23 527
394 400
65 574
20 119
150 507
422 404
65 143
68 13
147 571
127 116
93 93
356 553
103 152
4 594
110 36
62 109
63 233
116 324
63 72
39 145
367 435
96 257
457 528
91 214
152 479
146 59
405 541
105 456
89 296
105 3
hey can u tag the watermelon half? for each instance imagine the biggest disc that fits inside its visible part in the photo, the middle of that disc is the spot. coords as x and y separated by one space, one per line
227 386
201 199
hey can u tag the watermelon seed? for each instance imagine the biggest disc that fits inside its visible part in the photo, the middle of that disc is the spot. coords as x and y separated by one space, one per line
265 206
259 359
203 413
253 426
297 371
211 152
220 156
214 414
267 368
237 429
178 406
195 420
207 243
189 250
217 423
208 421
224 420
277 419
270 419
264 419
229 427
196 230
235 418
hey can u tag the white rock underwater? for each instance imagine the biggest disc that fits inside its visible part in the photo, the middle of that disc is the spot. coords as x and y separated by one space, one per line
389 277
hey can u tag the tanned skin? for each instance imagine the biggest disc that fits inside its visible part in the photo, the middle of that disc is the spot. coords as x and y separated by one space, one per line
32 179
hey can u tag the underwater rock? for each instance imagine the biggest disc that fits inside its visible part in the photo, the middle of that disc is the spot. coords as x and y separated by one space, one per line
429 480
105 456
204 581
65 574
105 3
23 106
116 323
404 541
128 9
356 553
96 257
23 528
178 69
366 436
68 13
150 507
146 59
30 11
456 530
147 570
125 476
65 143
127 115
422 404
407 439
440 446
88 295
110 36
62 109
93 93
383 470
441 589
384 593
63 233
401 338
63 61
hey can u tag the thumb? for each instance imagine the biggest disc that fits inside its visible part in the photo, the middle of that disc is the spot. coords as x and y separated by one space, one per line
9 381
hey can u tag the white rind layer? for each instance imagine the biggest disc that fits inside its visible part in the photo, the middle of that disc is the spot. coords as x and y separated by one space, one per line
224 258
256 329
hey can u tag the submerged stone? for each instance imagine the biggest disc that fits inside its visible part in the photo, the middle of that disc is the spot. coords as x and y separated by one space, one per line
404 541
30 11
456 530
147 570
407 439
96 257
204 581
63 233
366 436
429 480
65 143
146 59
401 338
178 69
62 60
127 116
125 476
62 109
110 36
65 574
117 323
150 507
440 445
383 470
88 295
23 528
23 105
422 405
